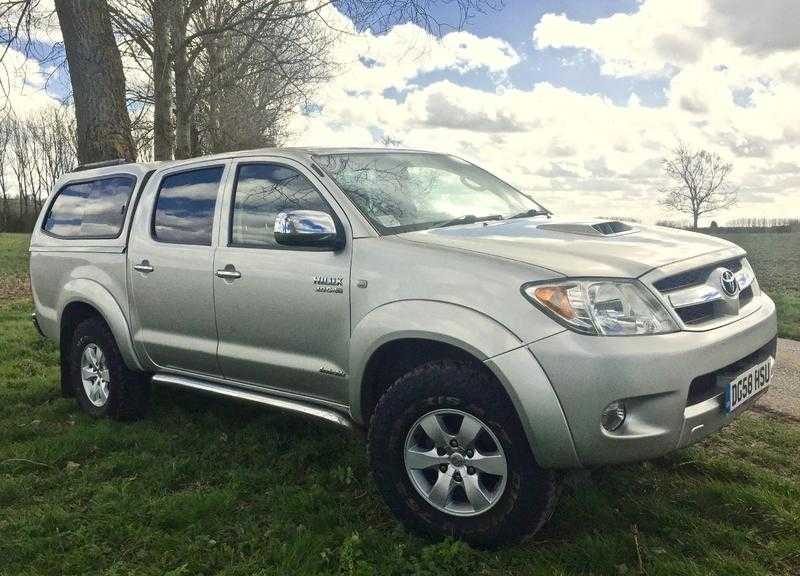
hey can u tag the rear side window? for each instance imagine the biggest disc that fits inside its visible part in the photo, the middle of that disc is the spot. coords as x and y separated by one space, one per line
184 211
262 191
91 209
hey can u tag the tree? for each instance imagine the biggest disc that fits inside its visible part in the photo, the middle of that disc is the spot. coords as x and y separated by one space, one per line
98 84
698 183
193 51
34 153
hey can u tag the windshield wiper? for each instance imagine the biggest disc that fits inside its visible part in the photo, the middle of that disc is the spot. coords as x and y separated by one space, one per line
531 213
469 219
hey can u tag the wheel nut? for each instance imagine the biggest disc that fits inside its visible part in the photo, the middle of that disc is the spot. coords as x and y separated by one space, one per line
454 443
443 467
470 470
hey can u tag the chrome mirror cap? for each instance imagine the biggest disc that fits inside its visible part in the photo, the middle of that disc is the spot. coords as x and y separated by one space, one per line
306 228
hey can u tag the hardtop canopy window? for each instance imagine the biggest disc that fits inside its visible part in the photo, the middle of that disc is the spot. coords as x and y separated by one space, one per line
90 208
404 191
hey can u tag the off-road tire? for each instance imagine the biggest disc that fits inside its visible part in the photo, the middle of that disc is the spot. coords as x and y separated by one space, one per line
530 492
128 390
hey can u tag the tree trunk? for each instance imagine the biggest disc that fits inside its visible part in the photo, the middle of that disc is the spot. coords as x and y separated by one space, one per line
98 83
183 115
696 217
163 131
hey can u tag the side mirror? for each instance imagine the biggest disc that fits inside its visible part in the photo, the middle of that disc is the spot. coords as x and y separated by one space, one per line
307 228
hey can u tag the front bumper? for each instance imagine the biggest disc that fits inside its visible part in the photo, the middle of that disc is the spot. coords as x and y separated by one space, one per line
653 374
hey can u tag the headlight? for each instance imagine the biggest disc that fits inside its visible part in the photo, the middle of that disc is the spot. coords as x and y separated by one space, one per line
602 307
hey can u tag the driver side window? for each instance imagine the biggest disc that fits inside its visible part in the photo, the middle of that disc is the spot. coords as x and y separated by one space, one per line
260 193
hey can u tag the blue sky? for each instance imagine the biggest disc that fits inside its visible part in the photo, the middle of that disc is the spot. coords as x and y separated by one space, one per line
578 102
570 67
575 101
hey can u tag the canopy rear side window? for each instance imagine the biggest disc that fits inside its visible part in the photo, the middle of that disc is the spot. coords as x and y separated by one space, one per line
90 208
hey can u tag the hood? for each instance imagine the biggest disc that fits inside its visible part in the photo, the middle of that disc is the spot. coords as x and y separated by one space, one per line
576 248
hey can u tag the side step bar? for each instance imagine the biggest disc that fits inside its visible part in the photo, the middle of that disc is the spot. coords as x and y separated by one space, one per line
287 404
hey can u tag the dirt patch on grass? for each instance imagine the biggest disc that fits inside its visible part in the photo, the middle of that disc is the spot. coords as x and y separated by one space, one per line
14 287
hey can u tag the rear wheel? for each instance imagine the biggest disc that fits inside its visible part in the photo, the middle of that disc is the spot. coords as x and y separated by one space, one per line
450 457
103 385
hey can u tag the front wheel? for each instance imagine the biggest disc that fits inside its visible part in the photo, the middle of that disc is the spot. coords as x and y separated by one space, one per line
450 457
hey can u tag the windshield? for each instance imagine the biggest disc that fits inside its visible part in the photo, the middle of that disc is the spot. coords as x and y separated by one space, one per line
404 191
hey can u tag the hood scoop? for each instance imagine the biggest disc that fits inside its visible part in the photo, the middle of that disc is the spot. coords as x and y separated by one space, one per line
607 228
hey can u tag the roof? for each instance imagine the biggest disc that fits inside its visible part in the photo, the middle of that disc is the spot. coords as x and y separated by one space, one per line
298 153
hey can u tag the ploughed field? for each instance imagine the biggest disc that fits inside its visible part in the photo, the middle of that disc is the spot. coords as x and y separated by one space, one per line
208 486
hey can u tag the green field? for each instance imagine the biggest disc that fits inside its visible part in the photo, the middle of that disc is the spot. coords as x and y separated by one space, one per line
207 486
13 254
204 486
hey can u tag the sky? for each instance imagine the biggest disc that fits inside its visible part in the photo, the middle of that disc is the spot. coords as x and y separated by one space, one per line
572 101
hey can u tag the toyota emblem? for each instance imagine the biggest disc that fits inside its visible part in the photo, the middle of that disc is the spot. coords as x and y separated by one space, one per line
728 282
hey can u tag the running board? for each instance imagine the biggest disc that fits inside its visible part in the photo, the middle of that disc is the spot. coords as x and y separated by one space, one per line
257 397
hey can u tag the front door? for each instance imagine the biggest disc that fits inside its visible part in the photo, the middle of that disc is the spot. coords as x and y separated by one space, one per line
170 260
283 313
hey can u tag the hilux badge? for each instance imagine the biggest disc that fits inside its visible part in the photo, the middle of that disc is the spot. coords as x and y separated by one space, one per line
728 282
331 284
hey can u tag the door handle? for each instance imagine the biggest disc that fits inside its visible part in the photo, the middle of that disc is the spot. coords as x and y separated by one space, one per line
143 267
228 273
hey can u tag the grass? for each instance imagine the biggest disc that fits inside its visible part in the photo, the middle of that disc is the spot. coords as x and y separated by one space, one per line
14 254
205 486
14 266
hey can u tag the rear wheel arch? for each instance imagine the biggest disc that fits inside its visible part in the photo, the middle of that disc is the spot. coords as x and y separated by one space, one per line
82 295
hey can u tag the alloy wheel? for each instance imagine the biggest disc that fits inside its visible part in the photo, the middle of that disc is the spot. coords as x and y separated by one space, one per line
95 376
455 462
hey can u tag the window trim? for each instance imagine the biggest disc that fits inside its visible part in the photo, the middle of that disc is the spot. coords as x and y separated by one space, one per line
340 230
220 186
134 179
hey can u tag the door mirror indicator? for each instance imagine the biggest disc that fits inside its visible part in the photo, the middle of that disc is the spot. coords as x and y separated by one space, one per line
307 228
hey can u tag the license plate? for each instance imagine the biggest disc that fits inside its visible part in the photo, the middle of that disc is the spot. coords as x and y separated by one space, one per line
747 384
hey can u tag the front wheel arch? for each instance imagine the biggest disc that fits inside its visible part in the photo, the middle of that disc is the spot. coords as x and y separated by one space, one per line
431 325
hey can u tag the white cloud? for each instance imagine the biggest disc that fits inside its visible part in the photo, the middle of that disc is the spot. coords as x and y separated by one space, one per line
583 153
732 77
22 84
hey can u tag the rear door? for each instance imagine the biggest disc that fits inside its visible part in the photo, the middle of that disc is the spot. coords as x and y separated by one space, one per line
280 325
170 260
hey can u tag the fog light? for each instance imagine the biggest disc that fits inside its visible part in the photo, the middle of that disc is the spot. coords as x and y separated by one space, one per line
613 416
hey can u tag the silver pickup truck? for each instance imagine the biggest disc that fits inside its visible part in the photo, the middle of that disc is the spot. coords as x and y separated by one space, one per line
482 343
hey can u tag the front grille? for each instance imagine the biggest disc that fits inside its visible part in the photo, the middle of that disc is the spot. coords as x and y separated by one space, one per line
697 295
694 277
706 386
745 296
697 314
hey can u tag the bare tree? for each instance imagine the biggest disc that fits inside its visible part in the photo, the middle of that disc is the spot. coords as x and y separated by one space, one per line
698 183
34 152
98 84
5 161
95 68
248 81
190 49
